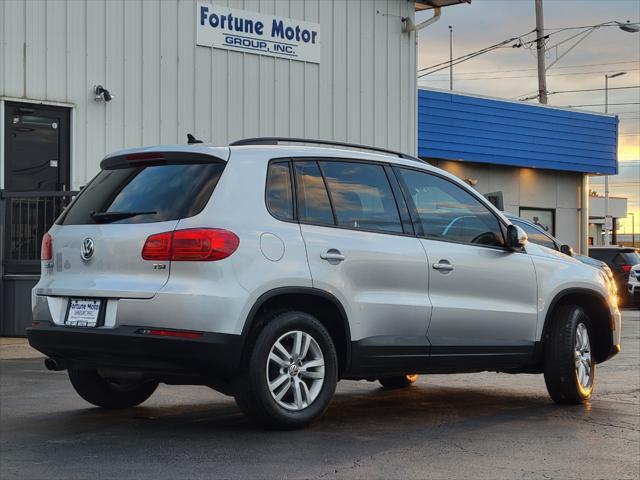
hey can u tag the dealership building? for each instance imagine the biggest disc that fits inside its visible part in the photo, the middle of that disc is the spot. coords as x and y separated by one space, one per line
80 78
533 160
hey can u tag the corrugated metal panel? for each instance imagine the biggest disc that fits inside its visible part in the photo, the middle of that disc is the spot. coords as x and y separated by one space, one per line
461 127
165 86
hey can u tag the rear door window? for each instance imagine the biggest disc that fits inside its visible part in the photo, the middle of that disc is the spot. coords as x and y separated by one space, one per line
313 200
157 193
361 195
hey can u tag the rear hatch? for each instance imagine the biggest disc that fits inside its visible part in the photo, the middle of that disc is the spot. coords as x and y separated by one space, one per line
96 244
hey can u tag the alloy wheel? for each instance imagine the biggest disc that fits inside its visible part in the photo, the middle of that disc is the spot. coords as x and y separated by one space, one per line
582 355
295 370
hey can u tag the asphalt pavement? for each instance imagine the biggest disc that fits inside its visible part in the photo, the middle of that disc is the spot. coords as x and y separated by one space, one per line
473 426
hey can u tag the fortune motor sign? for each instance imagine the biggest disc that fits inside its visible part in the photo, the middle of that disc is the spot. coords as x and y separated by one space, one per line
250 32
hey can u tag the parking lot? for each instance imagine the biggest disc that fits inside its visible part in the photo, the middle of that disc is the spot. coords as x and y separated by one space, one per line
457 426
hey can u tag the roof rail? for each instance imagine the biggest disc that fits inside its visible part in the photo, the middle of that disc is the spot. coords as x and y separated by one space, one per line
277 140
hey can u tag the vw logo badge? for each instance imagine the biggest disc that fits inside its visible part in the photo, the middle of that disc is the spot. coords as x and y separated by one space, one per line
87 248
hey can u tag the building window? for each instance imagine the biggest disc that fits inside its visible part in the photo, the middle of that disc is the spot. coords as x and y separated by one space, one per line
545 218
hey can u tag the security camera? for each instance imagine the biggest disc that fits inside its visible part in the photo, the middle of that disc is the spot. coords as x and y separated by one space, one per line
102 94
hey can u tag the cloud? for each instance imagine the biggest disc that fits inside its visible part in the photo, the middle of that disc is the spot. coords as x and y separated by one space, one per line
511 73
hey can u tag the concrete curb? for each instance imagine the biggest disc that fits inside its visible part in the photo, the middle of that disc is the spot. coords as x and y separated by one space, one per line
16 348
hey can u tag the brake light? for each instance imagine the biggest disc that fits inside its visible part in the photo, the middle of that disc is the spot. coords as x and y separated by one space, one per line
157 247
191 245
46 249
145 157
626 268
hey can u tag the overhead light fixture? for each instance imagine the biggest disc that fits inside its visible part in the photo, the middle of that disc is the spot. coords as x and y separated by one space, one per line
629 27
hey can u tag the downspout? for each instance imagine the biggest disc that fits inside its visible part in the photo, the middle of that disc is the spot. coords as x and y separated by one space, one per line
407 27
584 216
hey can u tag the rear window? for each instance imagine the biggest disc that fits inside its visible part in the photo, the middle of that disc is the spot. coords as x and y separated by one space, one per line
628 258
158 192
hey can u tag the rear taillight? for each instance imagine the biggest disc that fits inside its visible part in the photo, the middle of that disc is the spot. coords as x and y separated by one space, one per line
191 245
46 249
157 247
626 268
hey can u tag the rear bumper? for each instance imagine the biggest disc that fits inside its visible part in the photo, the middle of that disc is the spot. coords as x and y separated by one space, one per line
213 355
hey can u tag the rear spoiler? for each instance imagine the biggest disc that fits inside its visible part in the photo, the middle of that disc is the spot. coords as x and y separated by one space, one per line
144 159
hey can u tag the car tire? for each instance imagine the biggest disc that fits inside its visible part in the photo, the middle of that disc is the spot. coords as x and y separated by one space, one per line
270 388
569 369
400 381
101 392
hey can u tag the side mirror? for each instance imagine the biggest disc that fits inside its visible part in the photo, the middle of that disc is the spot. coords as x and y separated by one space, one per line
567 250
516 237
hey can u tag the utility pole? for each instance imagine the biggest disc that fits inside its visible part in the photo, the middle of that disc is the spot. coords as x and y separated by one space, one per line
450 57
542 79
607 218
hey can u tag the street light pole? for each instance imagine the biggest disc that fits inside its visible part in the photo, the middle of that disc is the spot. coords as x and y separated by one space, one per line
607 240
450 57
633 229
542 78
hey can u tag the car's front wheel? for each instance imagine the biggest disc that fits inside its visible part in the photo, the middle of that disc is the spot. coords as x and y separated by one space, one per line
110 393
569 368
291 373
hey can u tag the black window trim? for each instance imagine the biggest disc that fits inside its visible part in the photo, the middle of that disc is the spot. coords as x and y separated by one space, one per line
294 185
294 203
416 219
417 233
335 217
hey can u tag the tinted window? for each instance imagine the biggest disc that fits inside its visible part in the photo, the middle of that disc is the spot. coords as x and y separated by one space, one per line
361 196
448 212
279 196
313 202
628 258
171 191
535 235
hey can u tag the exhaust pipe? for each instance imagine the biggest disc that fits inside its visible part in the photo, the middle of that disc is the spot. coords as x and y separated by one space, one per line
54 365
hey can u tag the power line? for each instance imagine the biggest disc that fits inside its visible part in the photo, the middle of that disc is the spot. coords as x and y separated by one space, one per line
468 56
527 44
521 69
531 97
526 76
599 104
595 89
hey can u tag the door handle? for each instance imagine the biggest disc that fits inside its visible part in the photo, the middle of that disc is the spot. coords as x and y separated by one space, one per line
443 266
333 256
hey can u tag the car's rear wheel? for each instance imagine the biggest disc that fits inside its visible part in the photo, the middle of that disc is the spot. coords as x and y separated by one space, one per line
569 368
399 381
110 393
290 375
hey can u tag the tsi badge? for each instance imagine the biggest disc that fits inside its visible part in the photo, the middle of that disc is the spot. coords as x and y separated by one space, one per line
87 248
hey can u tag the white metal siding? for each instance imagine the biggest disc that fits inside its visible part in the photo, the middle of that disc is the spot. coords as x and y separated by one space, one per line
363 90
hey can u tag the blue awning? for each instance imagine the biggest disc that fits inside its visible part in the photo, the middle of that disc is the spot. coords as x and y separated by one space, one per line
454 126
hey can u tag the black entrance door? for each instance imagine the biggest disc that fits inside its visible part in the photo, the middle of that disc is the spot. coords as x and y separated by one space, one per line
36 148
36 184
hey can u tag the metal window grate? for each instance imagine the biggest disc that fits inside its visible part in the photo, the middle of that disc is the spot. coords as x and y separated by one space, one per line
24 218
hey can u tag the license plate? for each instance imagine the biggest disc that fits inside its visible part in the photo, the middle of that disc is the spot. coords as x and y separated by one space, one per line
83 312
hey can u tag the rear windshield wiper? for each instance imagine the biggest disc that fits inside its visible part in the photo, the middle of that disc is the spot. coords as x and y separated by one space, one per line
106 217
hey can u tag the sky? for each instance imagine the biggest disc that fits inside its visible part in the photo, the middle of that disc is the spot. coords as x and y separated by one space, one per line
511 72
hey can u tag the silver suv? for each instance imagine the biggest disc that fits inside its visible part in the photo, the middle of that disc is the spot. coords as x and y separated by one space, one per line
270 271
